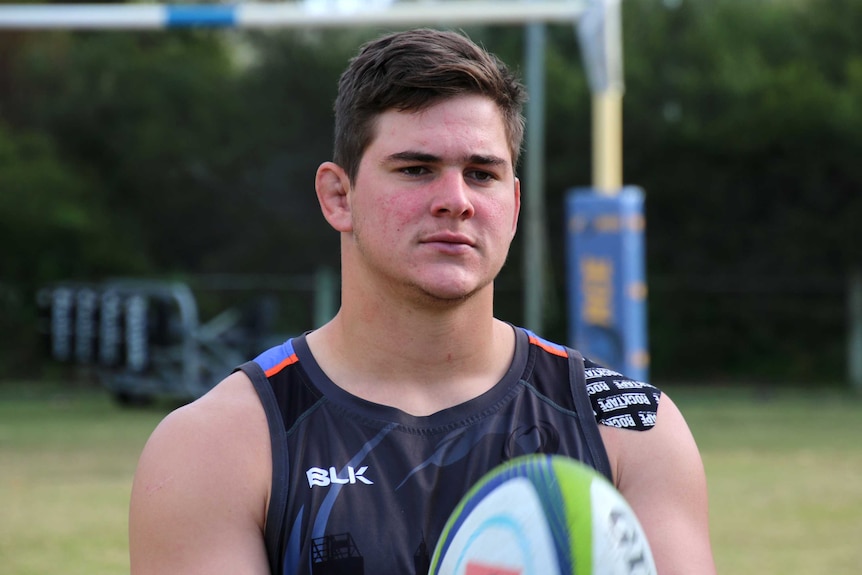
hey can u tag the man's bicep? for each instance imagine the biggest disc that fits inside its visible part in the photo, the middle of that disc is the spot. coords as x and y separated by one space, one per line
190 512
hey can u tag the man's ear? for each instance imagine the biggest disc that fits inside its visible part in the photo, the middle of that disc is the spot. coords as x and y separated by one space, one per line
517 205
332 186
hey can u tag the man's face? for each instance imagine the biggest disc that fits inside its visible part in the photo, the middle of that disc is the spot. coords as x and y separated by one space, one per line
435 203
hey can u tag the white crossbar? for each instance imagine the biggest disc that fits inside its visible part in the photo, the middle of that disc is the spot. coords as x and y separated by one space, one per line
284 14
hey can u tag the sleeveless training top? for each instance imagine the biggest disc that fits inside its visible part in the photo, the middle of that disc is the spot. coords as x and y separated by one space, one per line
360 487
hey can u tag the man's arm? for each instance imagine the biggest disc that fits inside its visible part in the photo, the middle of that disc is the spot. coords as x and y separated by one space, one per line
661 475
200 492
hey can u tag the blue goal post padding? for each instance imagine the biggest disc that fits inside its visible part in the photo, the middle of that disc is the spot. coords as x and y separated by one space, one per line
606 278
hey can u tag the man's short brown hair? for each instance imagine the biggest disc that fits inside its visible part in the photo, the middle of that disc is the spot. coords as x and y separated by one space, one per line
411 71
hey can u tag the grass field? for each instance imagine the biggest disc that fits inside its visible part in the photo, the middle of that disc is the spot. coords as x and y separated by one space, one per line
784 469
785 479
66 463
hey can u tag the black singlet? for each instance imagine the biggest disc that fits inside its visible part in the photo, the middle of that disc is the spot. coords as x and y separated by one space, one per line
364 488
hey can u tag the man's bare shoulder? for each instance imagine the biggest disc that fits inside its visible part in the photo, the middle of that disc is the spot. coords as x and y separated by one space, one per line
660 472
202 484
228 416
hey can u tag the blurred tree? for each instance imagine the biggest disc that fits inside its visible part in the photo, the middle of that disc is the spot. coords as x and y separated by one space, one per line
194 152
740 124
154 119
50 226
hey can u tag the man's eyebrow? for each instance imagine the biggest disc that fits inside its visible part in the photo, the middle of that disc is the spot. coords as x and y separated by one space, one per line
426 158
411 156
487 160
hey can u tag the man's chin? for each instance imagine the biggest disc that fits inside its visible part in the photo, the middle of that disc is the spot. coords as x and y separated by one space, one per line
450 295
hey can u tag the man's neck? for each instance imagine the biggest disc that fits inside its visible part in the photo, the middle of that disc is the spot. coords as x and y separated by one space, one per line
419 360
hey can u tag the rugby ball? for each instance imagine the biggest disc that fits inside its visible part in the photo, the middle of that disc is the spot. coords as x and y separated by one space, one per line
543 515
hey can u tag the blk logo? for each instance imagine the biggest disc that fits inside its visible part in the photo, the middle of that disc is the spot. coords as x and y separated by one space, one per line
324 477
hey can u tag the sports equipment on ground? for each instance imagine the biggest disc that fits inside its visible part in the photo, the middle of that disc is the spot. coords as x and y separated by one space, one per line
543 515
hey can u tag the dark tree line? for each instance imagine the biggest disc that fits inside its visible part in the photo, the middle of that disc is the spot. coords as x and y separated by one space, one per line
188 153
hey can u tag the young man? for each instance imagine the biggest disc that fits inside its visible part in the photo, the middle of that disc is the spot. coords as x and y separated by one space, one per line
358 439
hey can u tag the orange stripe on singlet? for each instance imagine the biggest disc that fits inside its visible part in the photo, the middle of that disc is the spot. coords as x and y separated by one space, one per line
281 365
548 347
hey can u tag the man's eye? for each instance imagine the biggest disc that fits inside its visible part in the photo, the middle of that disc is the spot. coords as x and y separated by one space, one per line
414 170
481 176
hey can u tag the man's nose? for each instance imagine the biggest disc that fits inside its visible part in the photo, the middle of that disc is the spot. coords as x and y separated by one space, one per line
452 196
